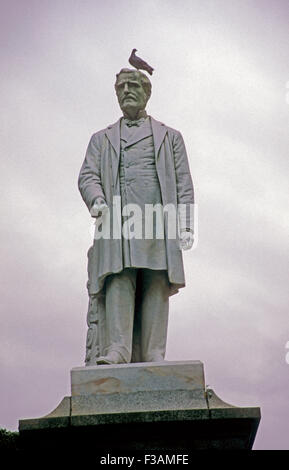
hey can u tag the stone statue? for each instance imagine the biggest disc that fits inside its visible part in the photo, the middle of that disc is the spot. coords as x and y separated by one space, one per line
136 163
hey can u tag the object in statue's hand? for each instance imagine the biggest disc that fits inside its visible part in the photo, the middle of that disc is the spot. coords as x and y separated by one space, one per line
138 63
186 239
99 207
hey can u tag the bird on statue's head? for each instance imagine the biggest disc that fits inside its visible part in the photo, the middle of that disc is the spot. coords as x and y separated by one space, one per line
139 63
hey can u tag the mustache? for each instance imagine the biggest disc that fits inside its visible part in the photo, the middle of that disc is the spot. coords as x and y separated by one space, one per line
127 97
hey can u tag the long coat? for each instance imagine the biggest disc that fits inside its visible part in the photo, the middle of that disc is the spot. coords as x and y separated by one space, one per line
99 176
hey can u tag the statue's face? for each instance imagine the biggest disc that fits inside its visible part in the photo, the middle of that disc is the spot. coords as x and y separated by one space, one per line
130 93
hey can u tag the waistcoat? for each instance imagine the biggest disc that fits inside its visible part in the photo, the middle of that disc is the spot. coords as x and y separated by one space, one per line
139 185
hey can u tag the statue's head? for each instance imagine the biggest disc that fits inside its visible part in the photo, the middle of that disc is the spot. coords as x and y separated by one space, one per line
133 89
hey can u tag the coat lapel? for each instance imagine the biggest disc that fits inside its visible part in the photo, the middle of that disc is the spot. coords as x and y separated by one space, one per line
113 134
159 132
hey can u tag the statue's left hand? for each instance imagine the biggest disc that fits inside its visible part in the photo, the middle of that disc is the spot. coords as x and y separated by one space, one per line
186 239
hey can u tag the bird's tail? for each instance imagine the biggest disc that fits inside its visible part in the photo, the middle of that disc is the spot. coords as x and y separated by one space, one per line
150 70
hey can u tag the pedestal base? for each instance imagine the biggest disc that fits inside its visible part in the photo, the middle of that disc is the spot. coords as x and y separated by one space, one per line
142 406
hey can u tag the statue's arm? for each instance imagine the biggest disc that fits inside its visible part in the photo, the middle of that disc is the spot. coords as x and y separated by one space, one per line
185 188
89 180
185 191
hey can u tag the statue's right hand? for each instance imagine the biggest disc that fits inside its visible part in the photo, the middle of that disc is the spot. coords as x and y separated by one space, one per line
99 207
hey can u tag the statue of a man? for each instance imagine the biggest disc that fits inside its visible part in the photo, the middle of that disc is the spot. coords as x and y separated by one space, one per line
139 162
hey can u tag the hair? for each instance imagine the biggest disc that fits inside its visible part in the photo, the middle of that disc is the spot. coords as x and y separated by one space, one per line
145 81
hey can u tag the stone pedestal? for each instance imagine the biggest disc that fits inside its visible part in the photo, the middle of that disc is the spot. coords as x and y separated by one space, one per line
142 406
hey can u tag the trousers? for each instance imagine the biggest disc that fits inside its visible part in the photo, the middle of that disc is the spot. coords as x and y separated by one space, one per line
137 307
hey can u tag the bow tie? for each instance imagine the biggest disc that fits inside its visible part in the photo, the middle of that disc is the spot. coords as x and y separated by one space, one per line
137 123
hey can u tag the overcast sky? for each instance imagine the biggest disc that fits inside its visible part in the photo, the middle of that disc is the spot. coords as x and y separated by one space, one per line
221 69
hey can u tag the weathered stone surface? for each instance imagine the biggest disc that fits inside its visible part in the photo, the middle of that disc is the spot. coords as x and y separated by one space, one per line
137 401
137 377
137 387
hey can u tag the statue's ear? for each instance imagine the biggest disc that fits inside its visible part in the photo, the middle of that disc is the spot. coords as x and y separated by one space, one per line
148 95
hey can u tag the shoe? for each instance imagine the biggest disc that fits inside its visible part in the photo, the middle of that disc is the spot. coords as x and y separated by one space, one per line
112 358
